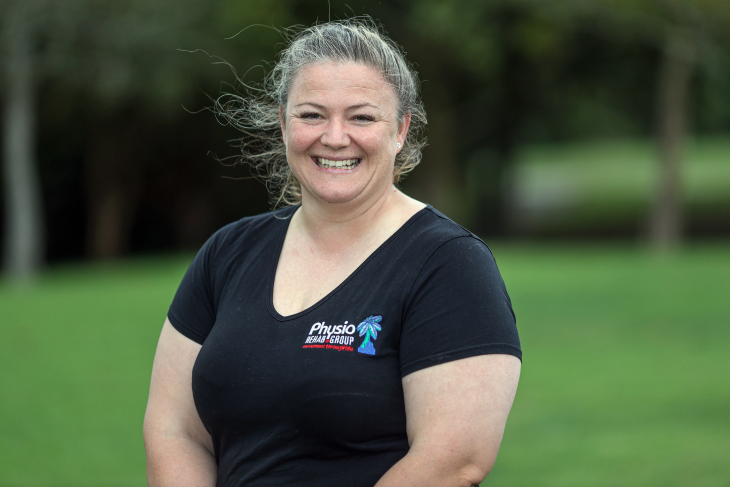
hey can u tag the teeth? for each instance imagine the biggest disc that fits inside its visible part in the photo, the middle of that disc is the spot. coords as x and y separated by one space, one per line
346 163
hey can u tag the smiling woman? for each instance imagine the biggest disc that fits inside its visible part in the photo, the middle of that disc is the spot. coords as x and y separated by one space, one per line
257 112
342 133
355 337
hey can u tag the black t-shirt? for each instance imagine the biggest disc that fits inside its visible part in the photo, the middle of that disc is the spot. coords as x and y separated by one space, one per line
315 398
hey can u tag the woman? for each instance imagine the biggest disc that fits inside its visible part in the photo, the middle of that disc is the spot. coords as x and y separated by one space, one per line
354 338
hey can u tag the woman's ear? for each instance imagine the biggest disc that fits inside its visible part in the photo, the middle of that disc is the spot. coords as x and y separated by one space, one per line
283 124
403 129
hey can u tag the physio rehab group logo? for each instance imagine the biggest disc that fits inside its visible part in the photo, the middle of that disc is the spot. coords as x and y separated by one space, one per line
341 337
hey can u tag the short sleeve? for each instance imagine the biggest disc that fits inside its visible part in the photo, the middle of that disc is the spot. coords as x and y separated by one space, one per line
458 308
193 309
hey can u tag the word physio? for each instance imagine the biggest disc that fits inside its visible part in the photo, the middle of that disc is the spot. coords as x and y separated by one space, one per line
333 334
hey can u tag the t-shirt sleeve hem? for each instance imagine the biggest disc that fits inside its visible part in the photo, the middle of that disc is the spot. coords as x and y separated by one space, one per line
184 329
494 348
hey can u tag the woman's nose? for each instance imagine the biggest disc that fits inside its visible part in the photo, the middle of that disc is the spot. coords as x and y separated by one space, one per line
335 135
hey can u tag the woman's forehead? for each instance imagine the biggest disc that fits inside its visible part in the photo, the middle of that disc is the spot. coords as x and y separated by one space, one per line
338 83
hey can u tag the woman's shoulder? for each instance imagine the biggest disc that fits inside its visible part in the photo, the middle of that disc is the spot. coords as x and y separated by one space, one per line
431 240
261 224
248 233
436 229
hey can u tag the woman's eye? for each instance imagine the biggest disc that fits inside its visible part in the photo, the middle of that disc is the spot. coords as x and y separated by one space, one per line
364 118
310 115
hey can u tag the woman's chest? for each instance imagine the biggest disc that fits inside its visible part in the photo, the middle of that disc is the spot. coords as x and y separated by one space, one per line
321 372
304 276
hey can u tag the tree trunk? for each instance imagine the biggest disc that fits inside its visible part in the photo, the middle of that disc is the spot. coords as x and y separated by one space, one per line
514 85
439 176
24 245
114 166
666 223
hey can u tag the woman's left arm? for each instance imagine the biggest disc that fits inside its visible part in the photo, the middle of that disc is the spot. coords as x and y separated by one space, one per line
456 413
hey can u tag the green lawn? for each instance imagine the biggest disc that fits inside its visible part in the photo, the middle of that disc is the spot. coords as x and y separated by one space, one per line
599 185
624 382
626 367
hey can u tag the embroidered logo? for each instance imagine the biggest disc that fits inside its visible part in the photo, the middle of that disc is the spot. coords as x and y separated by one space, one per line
337 337
341 337
369 328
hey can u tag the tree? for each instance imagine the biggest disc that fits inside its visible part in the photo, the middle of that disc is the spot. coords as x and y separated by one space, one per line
679 30
487 79
123 61
24 245
511 46
369 328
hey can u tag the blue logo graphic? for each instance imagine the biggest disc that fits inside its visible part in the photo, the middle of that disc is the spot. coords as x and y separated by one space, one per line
370 328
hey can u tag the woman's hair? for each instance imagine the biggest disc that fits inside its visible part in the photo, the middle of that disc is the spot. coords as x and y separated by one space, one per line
256 112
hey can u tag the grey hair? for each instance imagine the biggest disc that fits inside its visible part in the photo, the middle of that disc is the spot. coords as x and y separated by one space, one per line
256 112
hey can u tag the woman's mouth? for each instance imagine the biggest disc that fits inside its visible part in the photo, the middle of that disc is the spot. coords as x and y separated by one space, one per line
330 164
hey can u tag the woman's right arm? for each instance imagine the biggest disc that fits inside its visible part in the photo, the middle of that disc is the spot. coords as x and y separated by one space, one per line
179 448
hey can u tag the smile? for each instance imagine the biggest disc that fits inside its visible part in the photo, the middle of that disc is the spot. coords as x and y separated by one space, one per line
346 164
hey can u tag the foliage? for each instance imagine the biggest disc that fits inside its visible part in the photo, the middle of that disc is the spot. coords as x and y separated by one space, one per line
369 328
116 78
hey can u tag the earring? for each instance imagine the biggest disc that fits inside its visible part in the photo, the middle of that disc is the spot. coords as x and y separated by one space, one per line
398 145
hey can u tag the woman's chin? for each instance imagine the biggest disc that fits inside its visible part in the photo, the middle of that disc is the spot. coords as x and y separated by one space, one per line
335 195
344 191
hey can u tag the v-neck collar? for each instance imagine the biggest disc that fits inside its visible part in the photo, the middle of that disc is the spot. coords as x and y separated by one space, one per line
279 245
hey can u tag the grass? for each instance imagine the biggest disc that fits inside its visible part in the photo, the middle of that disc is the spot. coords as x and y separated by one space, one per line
600 184
624 378
76 354
625 371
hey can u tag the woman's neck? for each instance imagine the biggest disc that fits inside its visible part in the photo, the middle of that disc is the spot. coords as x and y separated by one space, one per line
332 227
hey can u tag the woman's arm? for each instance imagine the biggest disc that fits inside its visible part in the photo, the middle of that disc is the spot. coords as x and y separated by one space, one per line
455 413
179 448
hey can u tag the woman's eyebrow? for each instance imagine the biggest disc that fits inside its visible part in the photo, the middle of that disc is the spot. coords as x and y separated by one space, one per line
362 105
315 105
352 107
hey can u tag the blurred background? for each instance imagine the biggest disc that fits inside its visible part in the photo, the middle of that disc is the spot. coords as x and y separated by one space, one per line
587 141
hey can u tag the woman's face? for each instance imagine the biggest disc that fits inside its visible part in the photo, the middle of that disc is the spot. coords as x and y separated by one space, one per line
341 129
